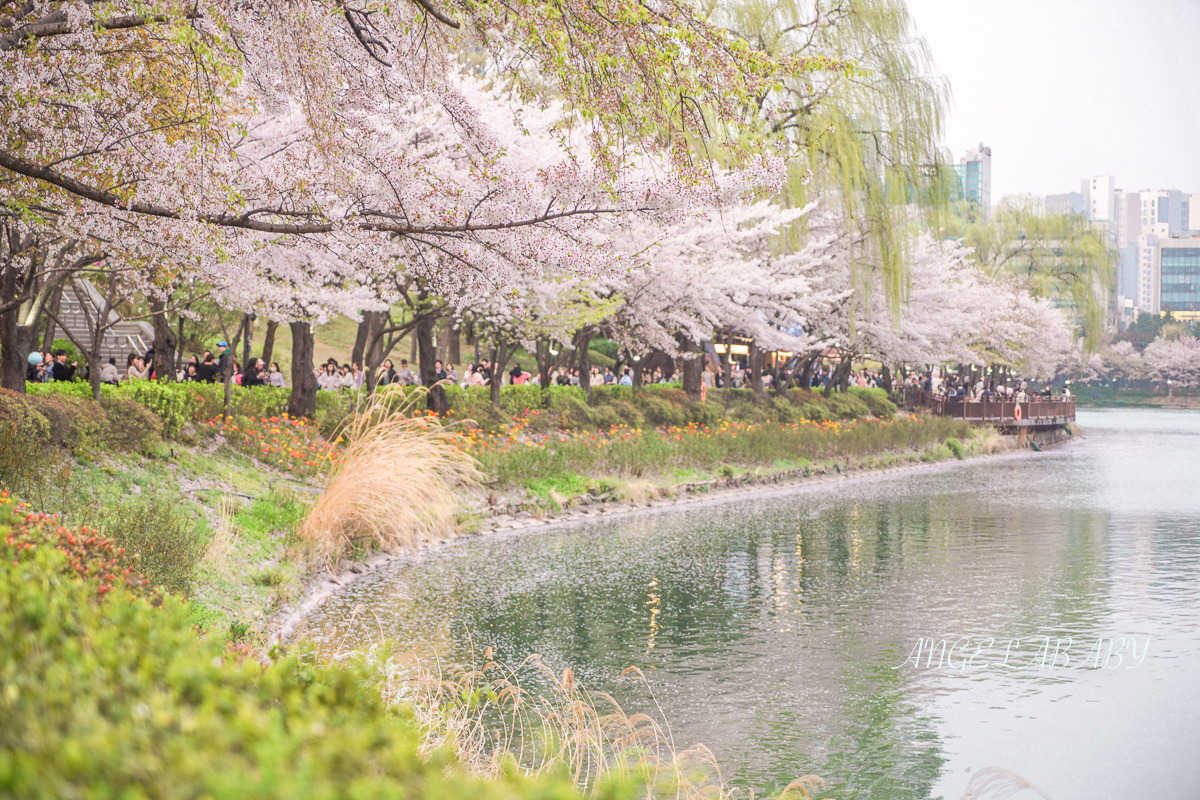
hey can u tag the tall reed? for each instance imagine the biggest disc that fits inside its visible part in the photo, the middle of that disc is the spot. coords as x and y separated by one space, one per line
493 723
393 485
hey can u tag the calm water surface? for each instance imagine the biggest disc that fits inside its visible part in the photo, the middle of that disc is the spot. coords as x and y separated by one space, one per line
789 632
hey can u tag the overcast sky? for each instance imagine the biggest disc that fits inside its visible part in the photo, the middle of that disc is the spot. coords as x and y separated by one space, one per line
1063 89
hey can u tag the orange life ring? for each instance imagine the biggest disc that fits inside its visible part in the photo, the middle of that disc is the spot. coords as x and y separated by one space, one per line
1017 413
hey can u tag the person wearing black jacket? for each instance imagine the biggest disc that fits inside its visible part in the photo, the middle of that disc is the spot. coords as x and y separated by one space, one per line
61 370
253 375
207 371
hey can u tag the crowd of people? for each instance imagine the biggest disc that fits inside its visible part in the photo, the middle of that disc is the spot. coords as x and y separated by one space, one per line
956 387
44 367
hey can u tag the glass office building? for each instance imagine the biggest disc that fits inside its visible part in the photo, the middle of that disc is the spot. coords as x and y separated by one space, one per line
1180 278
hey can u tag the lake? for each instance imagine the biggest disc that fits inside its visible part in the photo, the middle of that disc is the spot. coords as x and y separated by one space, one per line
1038 612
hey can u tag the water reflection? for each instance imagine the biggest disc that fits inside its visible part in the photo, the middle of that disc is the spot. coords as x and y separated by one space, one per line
776 629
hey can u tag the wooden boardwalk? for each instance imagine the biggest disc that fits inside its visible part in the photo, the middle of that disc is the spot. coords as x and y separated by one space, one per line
1035 413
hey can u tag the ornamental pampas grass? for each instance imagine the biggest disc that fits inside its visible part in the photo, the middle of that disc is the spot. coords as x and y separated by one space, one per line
393 486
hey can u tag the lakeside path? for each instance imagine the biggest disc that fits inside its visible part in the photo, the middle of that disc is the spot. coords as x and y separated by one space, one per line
287 623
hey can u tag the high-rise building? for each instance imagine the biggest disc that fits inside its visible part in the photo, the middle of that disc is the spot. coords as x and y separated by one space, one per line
1145 228
1179 271
975 176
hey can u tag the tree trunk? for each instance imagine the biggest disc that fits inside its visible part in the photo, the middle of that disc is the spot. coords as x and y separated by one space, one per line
360 340
164 342
583 340
373 355
844 370
638 376
303 400
443 339
693 368
426 355
756 368
269 343
806 373
455 342
248 327
16 341
55 307
885 379
179 345
497 373
501 353
544 362
727 369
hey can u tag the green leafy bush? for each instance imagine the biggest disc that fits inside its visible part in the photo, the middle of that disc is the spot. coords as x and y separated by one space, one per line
74 423
24 433
174 404
628 413
660 411
120 698
876 401
248 401
956 447
816 411
159 538
606 347
706 412
846 406
128 425
611 393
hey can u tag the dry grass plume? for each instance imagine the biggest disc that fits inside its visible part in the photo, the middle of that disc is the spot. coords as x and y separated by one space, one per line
492 720
393 486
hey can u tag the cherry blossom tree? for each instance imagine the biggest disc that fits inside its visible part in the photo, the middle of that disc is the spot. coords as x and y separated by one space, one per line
218 134
1174 360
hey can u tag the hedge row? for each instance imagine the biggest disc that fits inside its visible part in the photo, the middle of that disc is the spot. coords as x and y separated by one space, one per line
655 405
103 693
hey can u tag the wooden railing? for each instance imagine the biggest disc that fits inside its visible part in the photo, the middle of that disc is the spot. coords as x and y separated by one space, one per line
998 412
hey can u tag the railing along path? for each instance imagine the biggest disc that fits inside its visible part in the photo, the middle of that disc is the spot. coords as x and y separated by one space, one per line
1007 413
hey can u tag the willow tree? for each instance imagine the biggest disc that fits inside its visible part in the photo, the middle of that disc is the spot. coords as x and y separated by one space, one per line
868 136
1061 257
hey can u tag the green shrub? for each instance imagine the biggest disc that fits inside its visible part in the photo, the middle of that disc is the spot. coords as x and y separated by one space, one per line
784 410
119 698
74 423
846 406
334 409
603 417
815 411
706 412
611 393
628 413
78 389
600 359
24 434
667 391
128 425
558 398
660 411
876 400
606 347
174 404
160 538
956 447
